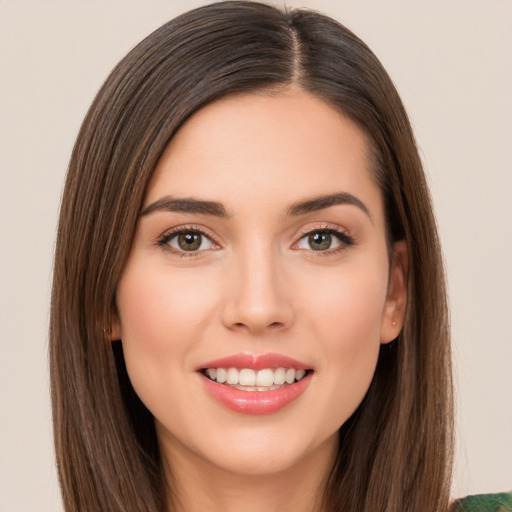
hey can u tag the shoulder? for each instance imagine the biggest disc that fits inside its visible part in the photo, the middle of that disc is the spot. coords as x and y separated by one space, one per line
501 502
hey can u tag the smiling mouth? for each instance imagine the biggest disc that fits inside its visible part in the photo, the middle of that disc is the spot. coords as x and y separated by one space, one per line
247 379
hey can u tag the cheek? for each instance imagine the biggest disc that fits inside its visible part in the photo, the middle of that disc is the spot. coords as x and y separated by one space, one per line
158 307
352 335
346 319
347 305
162 315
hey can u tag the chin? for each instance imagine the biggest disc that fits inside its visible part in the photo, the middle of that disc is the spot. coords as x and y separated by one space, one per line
263 452
256 464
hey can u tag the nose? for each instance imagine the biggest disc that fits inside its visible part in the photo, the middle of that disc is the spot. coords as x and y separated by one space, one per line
257 295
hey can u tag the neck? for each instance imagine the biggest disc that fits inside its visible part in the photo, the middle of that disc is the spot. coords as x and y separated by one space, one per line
198 485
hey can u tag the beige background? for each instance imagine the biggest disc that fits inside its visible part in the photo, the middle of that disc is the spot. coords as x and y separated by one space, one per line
451 61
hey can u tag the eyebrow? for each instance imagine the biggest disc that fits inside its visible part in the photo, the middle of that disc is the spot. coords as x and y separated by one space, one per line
191 205
319 203
186 205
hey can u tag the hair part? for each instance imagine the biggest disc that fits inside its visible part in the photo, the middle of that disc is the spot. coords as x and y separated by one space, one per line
396 450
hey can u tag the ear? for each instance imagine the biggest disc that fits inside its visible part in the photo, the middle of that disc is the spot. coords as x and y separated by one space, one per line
115 326
393 313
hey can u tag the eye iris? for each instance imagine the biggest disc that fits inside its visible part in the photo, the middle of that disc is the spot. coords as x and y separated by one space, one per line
189 241
320 241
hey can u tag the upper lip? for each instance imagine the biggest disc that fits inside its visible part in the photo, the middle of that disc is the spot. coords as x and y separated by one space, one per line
256 362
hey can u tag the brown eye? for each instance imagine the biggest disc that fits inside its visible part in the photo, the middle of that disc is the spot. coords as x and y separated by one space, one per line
189 241
320 241
324 240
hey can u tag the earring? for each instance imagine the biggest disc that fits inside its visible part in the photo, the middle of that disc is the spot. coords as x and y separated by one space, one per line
394 323
107 331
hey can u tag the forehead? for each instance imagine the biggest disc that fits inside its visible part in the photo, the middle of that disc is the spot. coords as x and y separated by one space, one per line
283 146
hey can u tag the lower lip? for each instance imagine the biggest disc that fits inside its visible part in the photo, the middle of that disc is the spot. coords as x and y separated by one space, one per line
256 402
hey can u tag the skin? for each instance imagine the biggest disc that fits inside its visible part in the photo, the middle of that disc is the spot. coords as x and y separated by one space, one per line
259 287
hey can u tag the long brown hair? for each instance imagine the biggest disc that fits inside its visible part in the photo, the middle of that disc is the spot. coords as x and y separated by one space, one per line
396 450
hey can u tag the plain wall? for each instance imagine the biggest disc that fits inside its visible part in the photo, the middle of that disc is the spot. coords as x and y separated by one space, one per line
451 61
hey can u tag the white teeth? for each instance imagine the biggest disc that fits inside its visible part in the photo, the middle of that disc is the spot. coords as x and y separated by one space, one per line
290 376
221 375
255 380
247 377
265 378
299 374
233 376
280 376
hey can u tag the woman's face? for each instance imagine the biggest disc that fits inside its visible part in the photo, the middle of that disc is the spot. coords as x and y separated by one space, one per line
260 257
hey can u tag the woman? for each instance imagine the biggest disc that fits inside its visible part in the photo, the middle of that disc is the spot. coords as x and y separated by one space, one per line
249 307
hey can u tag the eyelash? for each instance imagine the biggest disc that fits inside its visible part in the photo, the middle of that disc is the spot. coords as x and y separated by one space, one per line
163 241
344 238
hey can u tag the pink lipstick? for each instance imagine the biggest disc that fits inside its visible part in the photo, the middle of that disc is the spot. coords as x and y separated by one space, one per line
255 384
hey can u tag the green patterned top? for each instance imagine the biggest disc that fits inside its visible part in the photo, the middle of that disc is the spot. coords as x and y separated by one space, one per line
486 503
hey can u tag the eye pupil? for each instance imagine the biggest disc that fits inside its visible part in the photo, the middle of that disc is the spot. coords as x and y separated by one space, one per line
189 241
320 241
